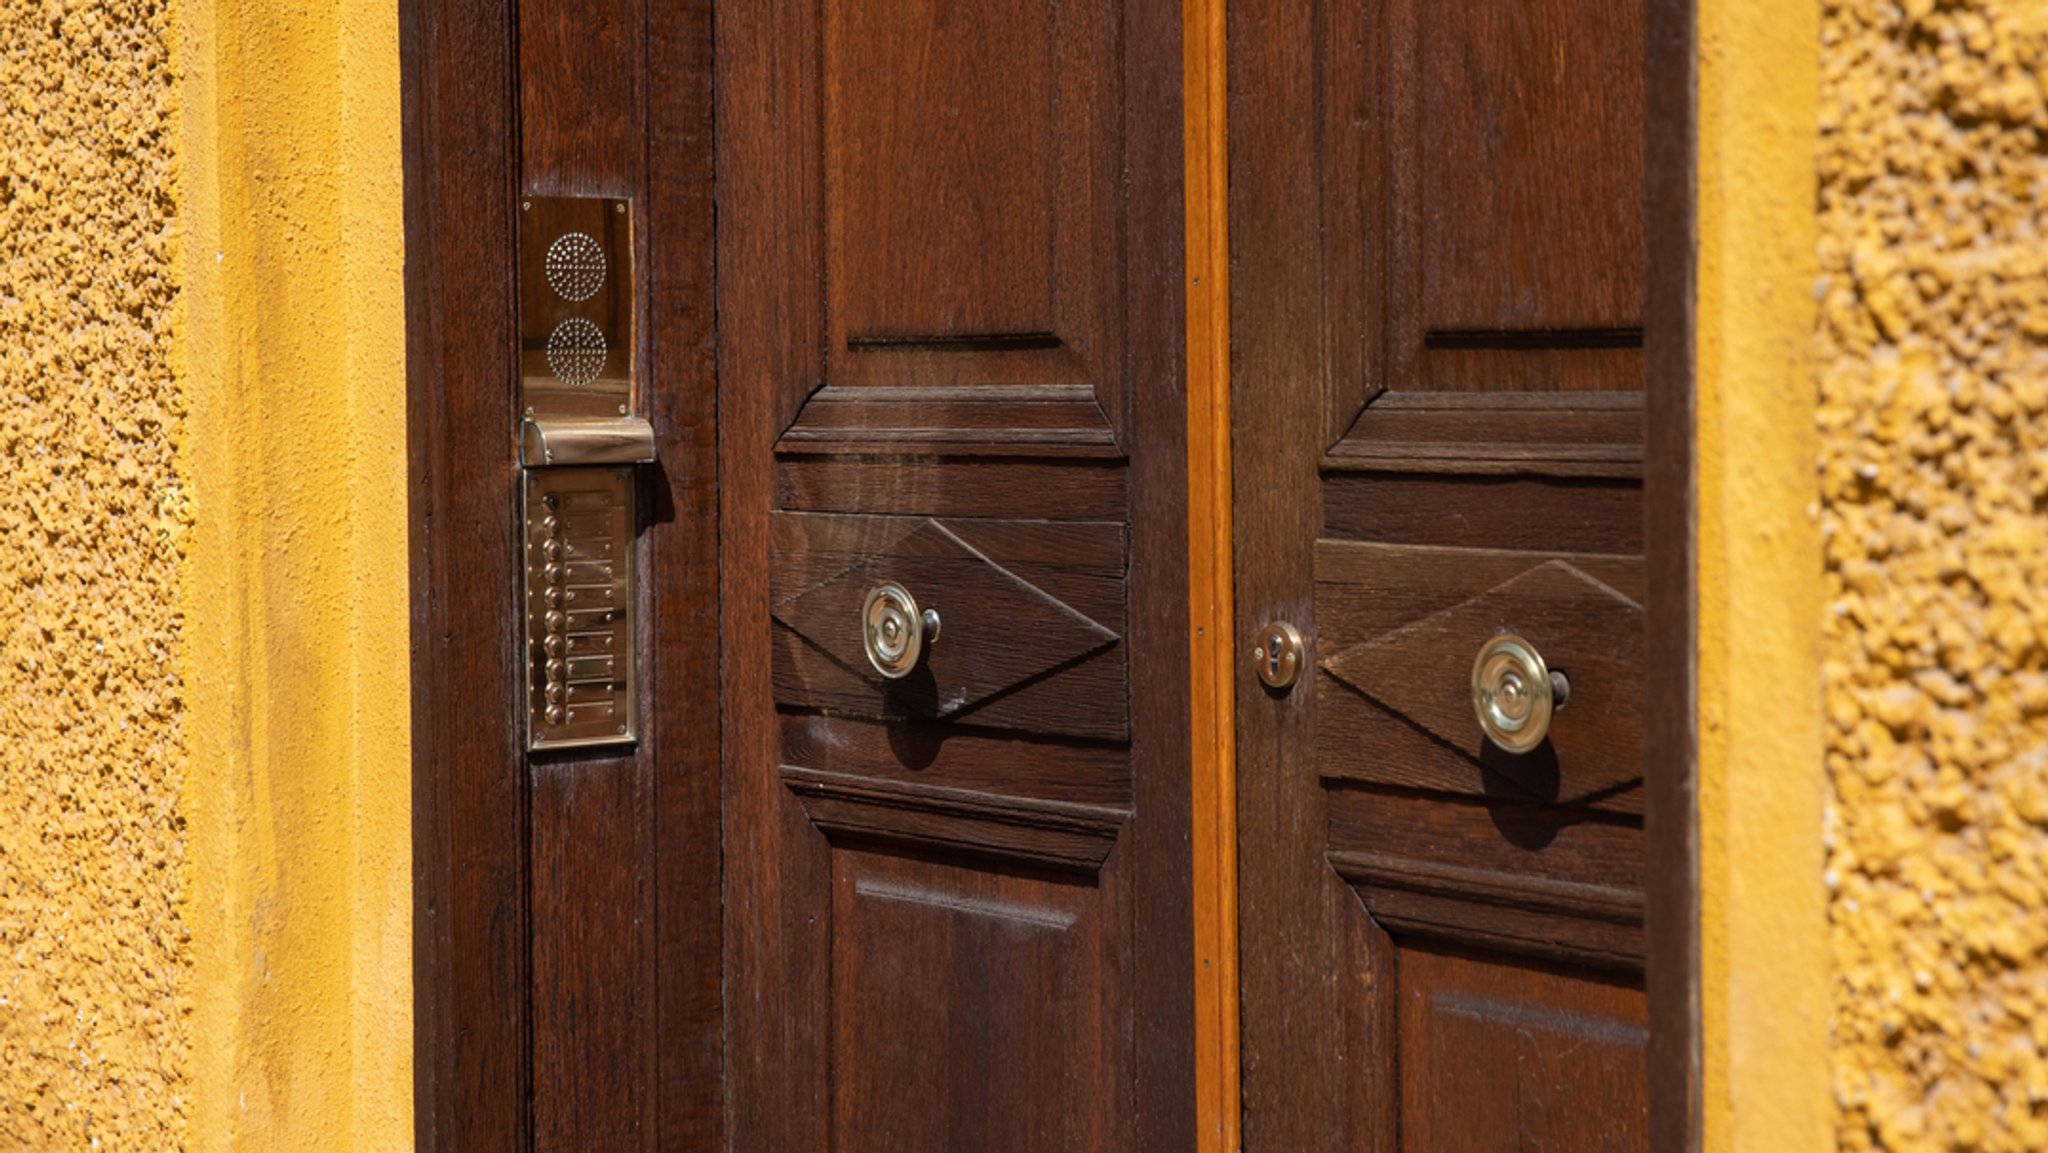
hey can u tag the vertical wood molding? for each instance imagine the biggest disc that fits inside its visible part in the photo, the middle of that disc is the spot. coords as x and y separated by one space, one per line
1671 739
1214 759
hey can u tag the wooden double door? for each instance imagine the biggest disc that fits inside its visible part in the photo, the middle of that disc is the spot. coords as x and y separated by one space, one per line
909 314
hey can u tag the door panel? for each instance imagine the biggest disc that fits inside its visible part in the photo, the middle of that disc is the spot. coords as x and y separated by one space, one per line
1438 399
950 357
1511 1057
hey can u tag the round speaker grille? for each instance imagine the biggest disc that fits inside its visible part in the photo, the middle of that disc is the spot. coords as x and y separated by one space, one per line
575 266
576 352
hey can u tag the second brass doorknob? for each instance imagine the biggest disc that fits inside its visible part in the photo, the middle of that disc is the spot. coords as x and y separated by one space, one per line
894 631
1514 693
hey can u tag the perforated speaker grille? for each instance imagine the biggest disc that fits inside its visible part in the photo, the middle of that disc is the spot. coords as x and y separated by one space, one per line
575 266
576 352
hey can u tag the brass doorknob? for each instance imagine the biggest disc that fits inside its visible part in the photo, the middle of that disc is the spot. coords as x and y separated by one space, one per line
893 630
1514 693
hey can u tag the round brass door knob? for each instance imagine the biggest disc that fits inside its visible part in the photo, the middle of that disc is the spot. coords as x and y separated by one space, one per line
1514 693
894 631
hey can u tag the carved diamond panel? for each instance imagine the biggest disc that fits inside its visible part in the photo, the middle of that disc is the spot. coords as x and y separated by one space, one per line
999 632
1585 629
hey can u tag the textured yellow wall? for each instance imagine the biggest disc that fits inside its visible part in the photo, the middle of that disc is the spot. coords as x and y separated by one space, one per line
205 912
1934 375
94 947
300 792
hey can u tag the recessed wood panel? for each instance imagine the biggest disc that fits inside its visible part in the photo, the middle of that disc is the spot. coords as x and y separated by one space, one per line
966 1011
942 134
1083 772
950 487
970 161
1511 1057
1495 512
1529 141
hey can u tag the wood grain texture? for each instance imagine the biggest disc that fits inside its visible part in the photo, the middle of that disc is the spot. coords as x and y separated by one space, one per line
1526 123
542 1022
680 497
1031 613
583 131
1481 510
969 240
1458 304
1560 434
1442 868
1316 1043
937 967
1671 822
582 96
1211 640
958 757
950 487
771 341
938 293
470 974
962 825
1045 420
1420 673
1495 1050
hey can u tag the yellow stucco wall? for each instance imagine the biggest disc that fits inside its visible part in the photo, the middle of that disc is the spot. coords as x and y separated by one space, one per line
95 952
1933 358
1764 955
205 909
299 799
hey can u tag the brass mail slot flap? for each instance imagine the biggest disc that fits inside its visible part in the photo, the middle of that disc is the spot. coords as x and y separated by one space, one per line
586 440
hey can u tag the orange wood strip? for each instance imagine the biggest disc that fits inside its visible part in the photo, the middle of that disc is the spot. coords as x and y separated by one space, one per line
1209 583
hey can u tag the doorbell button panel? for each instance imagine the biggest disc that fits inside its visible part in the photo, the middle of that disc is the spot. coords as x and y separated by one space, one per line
580 607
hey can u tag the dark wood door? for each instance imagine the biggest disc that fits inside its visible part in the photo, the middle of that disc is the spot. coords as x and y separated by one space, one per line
1437 227
950 347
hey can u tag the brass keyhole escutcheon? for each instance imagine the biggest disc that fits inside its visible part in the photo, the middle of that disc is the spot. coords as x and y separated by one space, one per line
1514 693
1278 654
894 631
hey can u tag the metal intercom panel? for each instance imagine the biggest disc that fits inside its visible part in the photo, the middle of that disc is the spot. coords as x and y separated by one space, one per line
580 444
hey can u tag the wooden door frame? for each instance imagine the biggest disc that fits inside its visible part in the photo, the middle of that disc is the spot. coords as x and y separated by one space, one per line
501 879
469 1036
1671 656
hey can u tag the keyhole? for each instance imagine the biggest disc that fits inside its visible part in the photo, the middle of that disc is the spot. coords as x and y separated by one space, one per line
1277 657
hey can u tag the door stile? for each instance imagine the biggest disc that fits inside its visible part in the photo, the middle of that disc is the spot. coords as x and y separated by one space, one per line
1289 901
470 970
685 867
1671 817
